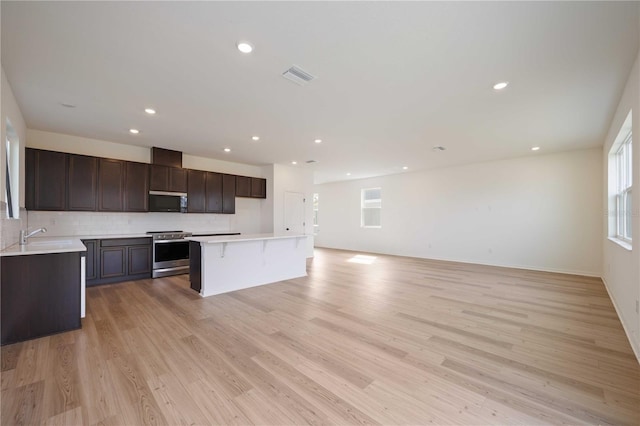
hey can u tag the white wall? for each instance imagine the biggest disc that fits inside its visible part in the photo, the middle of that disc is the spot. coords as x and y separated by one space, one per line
537 212
247 219
622 266
10 228
293 179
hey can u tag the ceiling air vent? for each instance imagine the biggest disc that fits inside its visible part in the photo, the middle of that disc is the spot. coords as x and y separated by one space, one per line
311 161
297 75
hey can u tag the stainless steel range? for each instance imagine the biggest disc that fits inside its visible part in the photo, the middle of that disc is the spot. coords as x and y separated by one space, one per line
170 253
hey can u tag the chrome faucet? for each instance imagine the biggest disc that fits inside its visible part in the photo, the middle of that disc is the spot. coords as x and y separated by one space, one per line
24 235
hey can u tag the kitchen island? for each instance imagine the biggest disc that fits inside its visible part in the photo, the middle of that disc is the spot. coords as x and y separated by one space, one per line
233 262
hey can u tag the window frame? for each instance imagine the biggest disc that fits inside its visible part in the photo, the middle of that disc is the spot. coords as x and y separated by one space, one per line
363 207
623 163
315 204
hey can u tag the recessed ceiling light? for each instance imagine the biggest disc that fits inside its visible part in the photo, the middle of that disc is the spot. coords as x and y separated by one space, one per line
150 111
245 47
348 174
501 85
405 168
439 148
318 141
134 131
227 150
255 138
535 148
294 162
67 105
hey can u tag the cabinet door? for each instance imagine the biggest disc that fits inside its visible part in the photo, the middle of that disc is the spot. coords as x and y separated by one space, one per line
92 258
258 188
40 295
177 180
111 185
196 182
228 194
139 260
113 262
46 180
159 178
82 183
136 193
243 186
214 192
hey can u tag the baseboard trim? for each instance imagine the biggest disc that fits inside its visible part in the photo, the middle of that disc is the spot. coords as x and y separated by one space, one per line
500 265
620 317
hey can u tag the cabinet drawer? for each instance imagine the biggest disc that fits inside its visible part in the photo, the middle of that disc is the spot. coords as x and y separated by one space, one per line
118 242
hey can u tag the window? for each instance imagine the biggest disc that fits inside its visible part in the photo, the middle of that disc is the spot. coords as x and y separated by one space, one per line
620 180
623 193
315 212
11 172
371 206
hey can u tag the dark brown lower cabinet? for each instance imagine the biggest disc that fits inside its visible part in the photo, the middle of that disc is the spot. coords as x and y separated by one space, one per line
92 258
40 295
139 260
195 265
118 259
112 262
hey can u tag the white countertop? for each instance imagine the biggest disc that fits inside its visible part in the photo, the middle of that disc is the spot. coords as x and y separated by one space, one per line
107 236
45 245
245 237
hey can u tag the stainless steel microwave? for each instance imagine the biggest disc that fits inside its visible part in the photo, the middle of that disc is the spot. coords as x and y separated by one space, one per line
160 201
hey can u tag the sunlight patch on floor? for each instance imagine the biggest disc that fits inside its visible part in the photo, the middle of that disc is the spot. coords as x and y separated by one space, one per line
363 259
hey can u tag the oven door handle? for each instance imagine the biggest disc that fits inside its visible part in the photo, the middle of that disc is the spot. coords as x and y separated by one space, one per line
168 241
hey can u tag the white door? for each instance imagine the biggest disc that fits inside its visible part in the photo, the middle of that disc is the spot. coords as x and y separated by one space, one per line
294 213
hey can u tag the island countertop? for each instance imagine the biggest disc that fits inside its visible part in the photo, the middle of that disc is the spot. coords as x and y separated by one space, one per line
245 237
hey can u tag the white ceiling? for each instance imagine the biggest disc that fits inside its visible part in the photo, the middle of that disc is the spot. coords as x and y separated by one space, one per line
393 79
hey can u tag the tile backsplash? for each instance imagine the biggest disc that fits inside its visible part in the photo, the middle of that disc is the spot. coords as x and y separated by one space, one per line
10 228
95 223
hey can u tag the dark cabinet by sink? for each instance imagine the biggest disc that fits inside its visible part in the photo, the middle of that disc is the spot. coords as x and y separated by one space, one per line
46 180
117 260
40 295
170 179
82 182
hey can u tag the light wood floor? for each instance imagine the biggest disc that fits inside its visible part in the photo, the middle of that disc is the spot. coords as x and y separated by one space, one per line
398 341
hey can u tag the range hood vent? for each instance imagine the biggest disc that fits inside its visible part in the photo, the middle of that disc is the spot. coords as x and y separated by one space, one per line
298 75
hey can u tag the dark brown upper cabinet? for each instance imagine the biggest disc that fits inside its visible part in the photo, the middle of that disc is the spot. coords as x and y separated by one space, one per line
258 188
243 186
82 183
166 157
136 192
228 194
251 187
196 191
214 193
111 178
46 180
170 179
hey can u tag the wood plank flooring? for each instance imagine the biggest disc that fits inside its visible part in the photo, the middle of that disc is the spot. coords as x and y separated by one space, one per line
396 341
